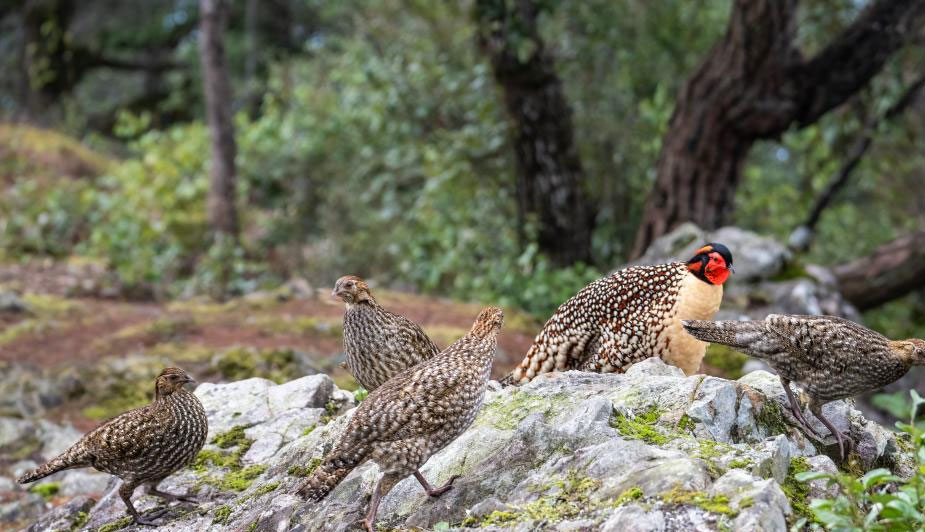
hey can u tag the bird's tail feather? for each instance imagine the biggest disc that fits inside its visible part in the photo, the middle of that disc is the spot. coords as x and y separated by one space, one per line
735 334
325 478
70 459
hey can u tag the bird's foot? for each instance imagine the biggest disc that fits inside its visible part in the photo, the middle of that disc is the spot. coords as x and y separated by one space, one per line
170 497
144 521
442 489
803 424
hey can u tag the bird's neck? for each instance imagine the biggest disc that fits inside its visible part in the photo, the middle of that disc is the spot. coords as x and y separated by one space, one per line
363 304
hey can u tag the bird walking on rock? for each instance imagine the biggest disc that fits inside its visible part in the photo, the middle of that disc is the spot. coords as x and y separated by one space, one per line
377 343
632 315
141 446
830 358
413 416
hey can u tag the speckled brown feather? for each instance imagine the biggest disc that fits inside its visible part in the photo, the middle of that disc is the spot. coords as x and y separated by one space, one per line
144 445
416 413
831 358
621 319
378 344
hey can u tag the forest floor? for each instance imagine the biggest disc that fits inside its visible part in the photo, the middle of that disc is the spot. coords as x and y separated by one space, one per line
60 331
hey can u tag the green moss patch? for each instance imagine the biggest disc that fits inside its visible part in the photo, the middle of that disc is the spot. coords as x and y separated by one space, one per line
237 477
306 470
115 525
221 515
47 489
507 414
771 417
632 494
641 427
718 504
798 491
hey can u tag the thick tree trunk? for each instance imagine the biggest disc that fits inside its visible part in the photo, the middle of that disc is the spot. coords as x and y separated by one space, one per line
223 216
755 85
549 173
891 271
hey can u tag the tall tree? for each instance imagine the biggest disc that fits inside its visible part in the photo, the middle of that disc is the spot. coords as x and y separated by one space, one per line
223 215
755 84
889 272
549 173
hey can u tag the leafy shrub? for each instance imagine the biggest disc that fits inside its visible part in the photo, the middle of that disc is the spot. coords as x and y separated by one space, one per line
879 500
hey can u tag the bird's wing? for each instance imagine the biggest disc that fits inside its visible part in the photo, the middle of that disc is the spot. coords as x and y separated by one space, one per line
818 340
412 335
415 404
127 436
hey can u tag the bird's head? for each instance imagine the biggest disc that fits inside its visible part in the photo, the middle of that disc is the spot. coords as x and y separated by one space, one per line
169 381
912 350
488 323
352 290
712 263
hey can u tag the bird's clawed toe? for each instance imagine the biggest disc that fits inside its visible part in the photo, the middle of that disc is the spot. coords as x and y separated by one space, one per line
444 488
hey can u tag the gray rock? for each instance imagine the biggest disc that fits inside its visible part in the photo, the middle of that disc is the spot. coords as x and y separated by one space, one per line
633 518
83 482
10 303
820 489
25 508
237 403
68 516
552 444
313 391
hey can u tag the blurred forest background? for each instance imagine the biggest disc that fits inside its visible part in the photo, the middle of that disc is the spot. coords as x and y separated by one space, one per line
492 151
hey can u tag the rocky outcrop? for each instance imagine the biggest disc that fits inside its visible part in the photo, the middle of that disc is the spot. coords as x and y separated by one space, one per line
648 450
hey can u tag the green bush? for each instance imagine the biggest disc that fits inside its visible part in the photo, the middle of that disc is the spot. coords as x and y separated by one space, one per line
879 500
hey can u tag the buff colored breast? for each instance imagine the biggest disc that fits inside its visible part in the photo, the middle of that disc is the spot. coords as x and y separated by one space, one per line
697 300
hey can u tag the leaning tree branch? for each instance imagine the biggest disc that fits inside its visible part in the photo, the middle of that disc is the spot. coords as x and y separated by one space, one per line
891 271
803 235
849 62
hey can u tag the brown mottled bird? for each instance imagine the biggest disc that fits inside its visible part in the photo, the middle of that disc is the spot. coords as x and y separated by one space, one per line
632 315
414 415
141 446
830 358
377 343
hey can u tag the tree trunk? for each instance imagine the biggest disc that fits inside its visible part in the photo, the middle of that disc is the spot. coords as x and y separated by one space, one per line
755 85
223 216
891 271
549 173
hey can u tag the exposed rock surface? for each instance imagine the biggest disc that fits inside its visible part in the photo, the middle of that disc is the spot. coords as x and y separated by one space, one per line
650 450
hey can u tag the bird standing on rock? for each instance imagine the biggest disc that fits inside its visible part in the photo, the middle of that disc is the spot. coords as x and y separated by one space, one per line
141 446
632 315
377 343
830 358
413 416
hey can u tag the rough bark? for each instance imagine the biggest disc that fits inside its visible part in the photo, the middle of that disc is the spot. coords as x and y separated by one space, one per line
755 84
891 271
549 172
223 216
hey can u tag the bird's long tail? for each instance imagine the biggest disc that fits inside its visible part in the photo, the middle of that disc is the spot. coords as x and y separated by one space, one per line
739 335
70 459
324 479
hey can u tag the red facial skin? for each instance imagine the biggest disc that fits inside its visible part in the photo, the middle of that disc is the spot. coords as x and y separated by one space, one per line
717 271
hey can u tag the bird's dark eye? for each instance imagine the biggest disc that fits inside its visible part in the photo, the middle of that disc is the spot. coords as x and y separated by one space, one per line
349 285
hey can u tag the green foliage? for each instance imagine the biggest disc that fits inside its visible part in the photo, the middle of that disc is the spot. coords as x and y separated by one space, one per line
360 393
726 359
221 515
878 500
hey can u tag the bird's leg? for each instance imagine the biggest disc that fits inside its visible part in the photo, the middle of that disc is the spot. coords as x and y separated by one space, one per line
843 441
169 497
797 410
383 487
430 490
125 493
